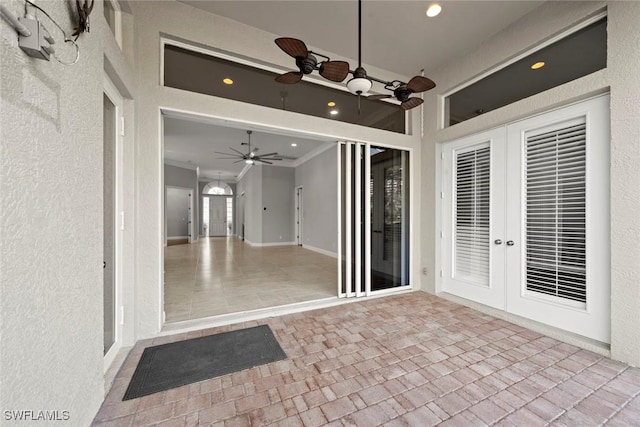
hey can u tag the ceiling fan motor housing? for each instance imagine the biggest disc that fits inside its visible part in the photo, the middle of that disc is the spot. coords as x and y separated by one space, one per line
307 65
402 93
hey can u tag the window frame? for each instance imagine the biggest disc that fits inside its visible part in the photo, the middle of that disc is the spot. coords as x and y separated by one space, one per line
443 98
243 60
117 22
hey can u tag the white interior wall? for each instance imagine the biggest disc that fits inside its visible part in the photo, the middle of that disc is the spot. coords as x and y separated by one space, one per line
154 18
620 78
319 180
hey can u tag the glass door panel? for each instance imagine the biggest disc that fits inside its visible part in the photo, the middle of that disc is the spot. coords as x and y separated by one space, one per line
389 190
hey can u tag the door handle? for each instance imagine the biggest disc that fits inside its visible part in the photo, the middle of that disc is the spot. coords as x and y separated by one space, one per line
510 243
497 242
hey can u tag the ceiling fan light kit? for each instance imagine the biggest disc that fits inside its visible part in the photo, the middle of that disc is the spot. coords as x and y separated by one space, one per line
359 84
337 71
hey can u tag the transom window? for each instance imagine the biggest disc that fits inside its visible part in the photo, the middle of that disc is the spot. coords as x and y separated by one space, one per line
217 189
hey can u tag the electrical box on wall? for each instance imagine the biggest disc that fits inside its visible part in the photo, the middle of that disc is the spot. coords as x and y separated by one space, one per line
38 43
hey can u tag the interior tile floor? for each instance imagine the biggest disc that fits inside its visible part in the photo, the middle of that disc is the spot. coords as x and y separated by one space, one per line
404 360
220 275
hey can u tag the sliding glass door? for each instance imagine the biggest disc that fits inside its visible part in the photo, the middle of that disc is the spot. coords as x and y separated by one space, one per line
374 221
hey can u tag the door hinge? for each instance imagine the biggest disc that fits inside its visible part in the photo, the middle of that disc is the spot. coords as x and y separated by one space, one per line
121 220
442 194
441 273
122 315
442 155
441 234
121 125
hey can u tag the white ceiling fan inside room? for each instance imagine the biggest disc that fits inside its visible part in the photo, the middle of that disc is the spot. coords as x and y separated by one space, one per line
251 156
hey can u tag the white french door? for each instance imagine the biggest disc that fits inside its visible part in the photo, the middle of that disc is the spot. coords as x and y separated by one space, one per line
473 233
538 246
558 219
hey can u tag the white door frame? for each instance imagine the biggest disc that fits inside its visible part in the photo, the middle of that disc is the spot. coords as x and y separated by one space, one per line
517 301
223 120
298 214
109 89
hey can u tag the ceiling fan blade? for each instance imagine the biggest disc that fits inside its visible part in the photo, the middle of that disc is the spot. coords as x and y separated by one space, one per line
420 84
411 103
270 158
377 97
289 78
241 160
336 71
293 47
262 161
225 154
239 152
268 154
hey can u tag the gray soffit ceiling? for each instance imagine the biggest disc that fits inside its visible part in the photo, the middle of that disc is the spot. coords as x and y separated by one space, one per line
396 35
191 141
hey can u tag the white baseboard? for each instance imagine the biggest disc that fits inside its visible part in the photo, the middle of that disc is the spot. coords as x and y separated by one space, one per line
177 237
270 244
321 251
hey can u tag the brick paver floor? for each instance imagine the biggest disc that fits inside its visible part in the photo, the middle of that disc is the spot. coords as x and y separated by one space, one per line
405 360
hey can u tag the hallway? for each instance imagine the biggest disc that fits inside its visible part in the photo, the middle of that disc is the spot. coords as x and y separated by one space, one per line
221 275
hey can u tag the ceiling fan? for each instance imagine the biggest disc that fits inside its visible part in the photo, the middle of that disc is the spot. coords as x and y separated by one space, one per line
250 157
337 71
307 62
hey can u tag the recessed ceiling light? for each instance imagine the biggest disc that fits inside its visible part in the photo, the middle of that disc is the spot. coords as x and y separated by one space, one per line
331 104
434 10
293 144
227 81
333 112
537 65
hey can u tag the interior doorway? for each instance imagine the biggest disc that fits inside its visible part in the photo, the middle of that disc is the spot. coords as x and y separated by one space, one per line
178 215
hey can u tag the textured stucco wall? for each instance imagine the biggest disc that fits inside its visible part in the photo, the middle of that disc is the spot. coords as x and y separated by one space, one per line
51 224
154 18
624 69
620 77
